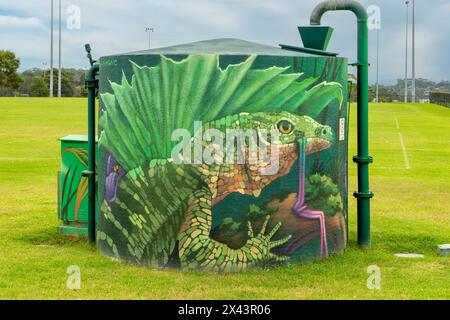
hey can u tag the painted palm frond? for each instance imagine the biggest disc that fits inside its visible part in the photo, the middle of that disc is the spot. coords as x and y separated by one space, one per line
138 118
82 192
80 154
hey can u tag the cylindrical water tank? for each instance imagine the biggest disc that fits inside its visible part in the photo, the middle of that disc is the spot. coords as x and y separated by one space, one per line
222 155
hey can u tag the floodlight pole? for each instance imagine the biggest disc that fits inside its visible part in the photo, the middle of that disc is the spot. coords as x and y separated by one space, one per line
44 68
414 98
406 54
51 51
378 66
149 30
59 55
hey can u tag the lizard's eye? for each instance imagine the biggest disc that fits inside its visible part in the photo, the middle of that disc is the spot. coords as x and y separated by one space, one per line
321 132
285 127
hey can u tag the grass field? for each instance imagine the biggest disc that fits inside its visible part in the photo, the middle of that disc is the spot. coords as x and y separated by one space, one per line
411 214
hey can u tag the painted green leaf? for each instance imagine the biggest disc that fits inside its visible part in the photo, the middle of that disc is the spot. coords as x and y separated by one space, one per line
82 191
68 192
319 97
81 154
139 117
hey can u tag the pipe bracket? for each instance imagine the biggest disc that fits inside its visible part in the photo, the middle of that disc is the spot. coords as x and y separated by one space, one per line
91 84
87 174
363 160
359 64
363 195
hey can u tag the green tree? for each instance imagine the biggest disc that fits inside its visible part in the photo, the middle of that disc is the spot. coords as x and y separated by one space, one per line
385 93
9 79
39 88
72 81
83 90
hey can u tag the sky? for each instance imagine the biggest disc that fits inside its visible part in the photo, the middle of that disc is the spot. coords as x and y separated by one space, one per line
118 26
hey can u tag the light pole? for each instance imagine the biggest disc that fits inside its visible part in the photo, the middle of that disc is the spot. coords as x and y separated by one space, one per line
413 51
44 64
149 30
375 24
51 52
406 54
378 65
59 58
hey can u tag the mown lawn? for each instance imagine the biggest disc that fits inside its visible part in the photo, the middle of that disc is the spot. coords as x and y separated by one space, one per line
411 214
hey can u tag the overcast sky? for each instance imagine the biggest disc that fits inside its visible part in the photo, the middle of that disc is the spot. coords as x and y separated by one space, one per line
119 26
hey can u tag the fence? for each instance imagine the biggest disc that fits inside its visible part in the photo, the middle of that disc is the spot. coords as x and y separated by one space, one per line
440 98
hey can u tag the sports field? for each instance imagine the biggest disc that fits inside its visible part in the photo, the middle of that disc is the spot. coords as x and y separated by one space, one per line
411 214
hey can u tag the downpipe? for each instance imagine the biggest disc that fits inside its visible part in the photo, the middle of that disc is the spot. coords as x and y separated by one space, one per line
363 159
92 86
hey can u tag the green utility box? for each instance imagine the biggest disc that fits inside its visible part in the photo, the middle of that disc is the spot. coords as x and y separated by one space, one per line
72 186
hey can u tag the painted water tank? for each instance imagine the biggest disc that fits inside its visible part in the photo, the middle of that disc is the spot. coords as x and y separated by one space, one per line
222 155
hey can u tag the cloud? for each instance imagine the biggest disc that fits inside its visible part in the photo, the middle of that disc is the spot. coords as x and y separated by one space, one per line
14 22
119 26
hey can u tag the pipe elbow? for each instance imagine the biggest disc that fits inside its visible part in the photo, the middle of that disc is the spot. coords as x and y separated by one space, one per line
93 71
337 5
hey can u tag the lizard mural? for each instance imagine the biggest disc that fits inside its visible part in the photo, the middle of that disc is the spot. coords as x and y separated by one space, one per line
158 213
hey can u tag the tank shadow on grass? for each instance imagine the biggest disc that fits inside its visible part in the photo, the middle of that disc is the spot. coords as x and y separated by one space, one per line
48 237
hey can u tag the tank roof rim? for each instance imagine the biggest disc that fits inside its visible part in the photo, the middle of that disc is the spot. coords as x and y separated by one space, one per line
221 46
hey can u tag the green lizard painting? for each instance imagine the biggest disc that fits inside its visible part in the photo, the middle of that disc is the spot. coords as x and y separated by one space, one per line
156 212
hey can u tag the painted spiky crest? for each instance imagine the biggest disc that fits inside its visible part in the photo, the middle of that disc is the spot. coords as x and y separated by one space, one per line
138 118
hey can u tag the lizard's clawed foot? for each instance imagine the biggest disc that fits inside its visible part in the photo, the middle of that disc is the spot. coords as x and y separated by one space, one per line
261 245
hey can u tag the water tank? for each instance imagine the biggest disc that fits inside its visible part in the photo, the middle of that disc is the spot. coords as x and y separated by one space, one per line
222 155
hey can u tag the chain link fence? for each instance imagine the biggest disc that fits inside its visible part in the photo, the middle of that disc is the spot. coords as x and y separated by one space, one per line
441 98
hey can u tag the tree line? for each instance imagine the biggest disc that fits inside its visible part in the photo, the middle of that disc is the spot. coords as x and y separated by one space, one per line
396 93
36 82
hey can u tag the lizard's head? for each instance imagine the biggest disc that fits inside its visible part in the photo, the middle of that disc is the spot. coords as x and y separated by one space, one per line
292 128
280 155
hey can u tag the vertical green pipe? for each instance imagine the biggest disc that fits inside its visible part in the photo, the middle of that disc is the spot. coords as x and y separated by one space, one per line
362 159
92 85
